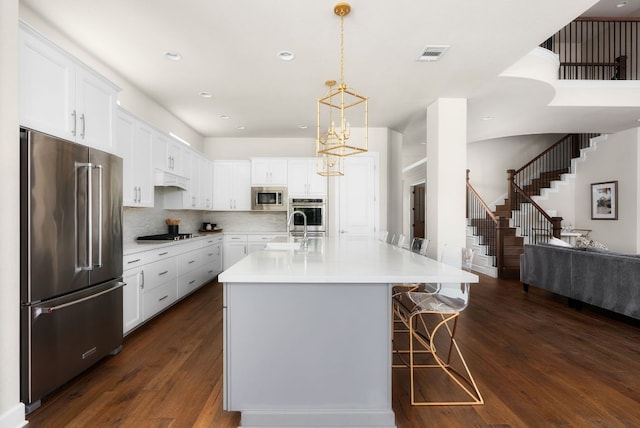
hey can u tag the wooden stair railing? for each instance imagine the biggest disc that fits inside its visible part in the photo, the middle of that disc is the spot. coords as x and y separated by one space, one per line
533 221
538 174
487 225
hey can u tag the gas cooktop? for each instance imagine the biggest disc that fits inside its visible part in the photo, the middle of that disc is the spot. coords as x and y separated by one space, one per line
166 237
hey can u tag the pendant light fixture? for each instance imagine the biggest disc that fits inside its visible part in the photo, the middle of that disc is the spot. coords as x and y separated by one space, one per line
340 108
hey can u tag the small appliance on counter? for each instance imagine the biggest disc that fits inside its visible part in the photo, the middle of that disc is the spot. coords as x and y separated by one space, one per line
210 228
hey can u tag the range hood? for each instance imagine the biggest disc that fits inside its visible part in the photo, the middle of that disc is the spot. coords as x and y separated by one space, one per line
167 179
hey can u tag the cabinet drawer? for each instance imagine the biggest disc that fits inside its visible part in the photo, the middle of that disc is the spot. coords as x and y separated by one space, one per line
212 241
189 282
155 300
235 238
189 246
189 261
159 272
131 261
208 271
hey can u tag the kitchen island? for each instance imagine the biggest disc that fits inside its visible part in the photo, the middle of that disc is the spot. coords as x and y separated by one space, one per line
307 332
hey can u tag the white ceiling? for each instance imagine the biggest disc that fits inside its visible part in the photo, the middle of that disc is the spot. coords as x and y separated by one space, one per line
230 47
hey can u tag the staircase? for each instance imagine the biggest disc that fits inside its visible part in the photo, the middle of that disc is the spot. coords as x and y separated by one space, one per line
498 236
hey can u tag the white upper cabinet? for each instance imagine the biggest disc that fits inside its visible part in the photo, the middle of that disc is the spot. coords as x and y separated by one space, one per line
135 141
303 181
169 155
268 172
231 185
62 97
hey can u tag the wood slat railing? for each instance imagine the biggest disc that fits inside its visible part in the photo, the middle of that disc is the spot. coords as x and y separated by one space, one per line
486 224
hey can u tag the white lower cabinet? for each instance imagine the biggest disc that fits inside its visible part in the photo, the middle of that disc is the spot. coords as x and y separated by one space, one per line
211 258
235 249
237 246
132 298
157 278
189 273
155 300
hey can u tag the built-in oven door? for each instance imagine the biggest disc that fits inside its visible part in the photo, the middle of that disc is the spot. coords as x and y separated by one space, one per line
315 213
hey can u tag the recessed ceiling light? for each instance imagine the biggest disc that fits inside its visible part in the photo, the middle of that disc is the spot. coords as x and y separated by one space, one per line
286 55
302 126
622 4
172 55
487 118
224 116
205 94
241 127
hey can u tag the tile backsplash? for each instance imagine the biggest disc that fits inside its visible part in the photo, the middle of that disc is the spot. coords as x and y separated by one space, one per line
151 221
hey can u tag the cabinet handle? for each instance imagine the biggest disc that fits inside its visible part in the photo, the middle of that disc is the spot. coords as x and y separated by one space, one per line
142 279
163 273
75 124
192 261
84 125
139 194
192 281
133 261
210 254
164 254
162 298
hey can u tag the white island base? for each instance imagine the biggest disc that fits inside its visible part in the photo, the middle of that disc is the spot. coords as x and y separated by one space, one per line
307 333
303 354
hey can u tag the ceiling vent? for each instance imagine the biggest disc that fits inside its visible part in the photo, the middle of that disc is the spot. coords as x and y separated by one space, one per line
433 52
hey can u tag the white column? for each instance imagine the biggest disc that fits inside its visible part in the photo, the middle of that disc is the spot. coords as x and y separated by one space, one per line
11 410
446 172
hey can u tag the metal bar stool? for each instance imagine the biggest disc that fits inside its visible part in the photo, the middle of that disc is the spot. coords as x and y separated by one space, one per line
431 319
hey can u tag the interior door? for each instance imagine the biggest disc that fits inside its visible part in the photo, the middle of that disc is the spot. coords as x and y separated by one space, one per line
357 190
418 211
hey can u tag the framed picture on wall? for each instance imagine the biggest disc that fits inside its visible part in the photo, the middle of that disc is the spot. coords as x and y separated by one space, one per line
604 200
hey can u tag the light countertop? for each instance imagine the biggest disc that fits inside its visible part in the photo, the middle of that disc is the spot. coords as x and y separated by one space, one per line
342 260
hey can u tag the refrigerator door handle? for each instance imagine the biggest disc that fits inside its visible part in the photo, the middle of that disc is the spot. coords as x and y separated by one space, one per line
51 309
90 167
88 214
100 198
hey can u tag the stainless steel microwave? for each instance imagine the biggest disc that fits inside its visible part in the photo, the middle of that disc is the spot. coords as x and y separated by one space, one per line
269 198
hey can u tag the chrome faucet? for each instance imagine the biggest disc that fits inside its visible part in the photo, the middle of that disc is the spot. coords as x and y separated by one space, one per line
304 217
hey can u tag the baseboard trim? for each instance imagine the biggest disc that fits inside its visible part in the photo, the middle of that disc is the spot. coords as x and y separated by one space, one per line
14 417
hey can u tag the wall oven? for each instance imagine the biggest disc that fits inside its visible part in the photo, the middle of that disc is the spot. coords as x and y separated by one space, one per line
316 211
268 198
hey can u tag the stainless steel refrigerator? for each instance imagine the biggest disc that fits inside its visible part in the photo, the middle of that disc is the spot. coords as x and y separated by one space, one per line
70 261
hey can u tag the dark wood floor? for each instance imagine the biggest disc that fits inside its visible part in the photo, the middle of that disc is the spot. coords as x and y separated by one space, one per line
537 362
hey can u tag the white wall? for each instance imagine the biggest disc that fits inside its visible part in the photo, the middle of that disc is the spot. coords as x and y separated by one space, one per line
130 97
446 167
11 410
394 204
245 148
614 159
489 160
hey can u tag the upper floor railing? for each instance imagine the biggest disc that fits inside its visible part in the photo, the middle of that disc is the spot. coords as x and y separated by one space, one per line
598 49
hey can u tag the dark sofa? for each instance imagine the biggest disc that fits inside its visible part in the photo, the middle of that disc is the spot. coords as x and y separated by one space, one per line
600 278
